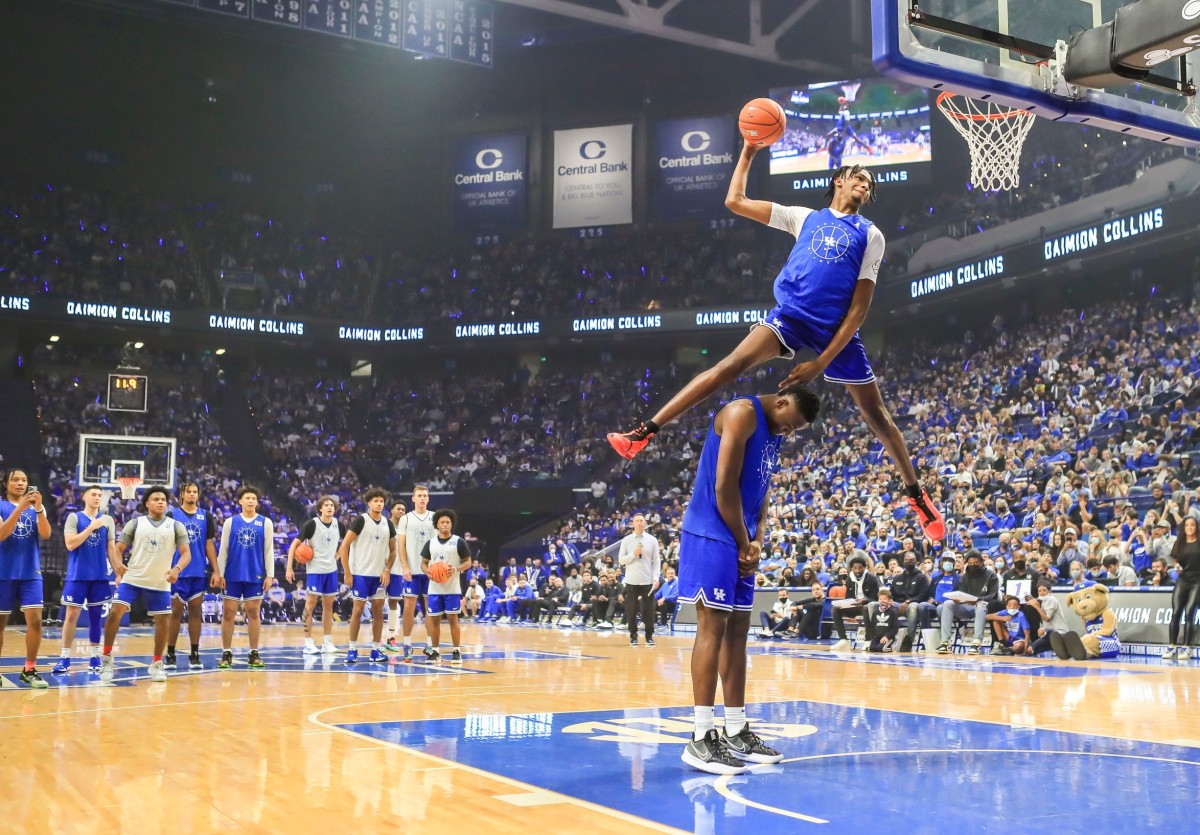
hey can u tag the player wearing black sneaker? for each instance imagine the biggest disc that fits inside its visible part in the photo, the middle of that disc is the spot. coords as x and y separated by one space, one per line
748 746
711 754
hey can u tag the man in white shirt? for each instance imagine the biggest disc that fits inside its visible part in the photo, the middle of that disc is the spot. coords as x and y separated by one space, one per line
641 556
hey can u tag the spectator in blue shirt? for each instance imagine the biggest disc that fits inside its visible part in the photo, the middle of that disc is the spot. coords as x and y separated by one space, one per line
1005 520
667 596
1011 629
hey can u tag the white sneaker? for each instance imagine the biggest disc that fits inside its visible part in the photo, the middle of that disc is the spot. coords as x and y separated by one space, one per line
158 672
106 668
310 648
1168 654
505 619
606 624
329 648
1184 654
842 646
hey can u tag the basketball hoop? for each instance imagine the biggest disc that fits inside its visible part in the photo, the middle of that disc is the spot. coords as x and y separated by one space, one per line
129 486
995 136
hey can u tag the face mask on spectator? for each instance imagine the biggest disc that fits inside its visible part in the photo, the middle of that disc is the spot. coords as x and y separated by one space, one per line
1019 565
1076 573
1013 607
948 566
974 569
910 566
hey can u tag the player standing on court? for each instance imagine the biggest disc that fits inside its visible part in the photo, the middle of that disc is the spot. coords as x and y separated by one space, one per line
822 297
152 541
445 598
395 591
245 570
416 529
367 554
23 524
323 533
90 537
719 550
193 579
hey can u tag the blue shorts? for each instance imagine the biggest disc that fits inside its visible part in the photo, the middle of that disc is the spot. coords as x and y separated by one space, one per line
395 586
321 583
89 592
157 602
188 589
445 604
247 590
708 572
366 588
27 593
417 586
851 366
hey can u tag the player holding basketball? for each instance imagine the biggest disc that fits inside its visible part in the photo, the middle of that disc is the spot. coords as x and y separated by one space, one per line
445 597
367 554
723 530
322 533
193 579
822 297
415 530
90 537
23 524
245 570
152 541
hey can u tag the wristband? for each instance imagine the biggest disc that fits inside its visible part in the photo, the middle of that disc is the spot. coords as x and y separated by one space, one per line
42 510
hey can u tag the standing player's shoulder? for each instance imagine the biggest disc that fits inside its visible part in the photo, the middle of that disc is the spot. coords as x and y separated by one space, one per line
737 413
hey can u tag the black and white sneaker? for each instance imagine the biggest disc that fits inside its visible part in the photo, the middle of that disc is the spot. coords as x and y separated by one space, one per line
650 642
711 755
747 745
169 660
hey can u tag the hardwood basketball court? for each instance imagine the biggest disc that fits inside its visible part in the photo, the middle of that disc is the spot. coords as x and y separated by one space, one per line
559 730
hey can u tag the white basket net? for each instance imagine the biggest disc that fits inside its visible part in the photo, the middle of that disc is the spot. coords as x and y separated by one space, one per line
995 136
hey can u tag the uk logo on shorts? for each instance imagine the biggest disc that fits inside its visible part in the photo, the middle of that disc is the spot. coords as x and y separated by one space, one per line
830 243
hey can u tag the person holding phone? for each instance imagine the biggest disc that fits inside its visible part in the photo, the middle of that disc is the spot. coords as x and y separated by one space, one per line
23 524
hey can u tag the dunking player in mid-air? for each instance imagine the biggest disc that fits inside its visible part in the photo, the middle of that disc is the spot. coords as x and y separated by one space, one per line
822 296
840 134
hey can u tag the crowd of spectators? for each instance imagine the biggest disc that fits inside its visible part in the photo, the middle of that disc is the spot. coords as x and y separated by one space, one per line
67 242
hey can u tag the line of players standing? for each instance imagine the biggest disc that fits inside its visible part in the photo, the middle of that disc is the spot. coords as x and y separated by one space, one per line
161 557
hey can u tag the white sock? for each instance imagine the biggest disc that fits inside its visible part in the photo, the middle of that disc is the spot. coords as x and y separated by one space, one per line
354 645
458 649
704 721
374 645
308 642
407 639
393 620
66 653
735 720
328 639
95 650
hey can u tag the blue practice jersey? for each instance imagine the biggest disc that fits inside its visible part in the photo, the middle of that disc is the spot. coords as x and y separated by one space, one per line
244 563
20 554
200 528
818 280
90 560
759 463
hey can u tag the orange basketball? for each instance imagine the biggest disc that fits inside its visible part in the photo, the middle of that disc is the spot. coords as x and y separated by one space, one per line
304 553
762 122
440 572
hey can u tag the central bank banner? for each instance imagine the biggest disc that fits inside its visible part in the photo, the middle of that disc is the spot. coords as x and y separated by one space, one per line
490 176
593 176
693 160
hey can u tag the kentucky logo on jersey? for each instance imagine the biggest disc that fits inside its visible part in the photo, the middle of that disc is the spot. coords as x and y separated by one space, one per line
247 537
193 532
25 527
766 467
829 242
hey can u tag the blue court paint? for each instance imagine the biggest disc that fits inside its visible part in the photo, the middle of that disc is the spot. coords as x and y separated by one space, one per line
131 669
847 769
1044 668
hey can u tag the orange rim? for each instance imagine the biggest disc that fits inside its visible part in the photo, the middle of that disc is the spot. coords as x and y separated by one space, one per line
975 117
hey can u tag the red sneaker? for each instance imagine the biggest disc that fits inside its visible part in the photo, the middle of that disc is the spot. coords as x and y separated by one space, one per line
930 517
629 444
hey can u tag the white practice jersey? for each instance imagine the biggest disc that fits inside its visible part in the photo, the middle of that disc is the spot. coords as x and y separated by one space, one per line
417 530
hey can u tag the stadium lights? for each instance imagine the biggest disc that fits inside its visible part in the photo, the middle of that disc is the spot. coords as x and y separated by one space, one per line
53 338
219 352
139 345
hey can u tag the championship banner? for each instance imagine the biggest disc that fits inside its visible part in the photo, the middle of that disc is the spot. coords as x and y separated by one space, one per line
593 177
489 182
693 161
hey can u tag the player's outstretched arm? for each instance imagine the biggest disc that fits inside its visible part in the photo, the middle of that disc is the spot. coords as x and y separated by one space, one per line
736 200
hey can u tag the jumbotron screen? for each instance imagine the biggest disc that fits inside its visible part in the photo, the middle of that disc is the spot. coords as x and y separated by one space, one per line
879 123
